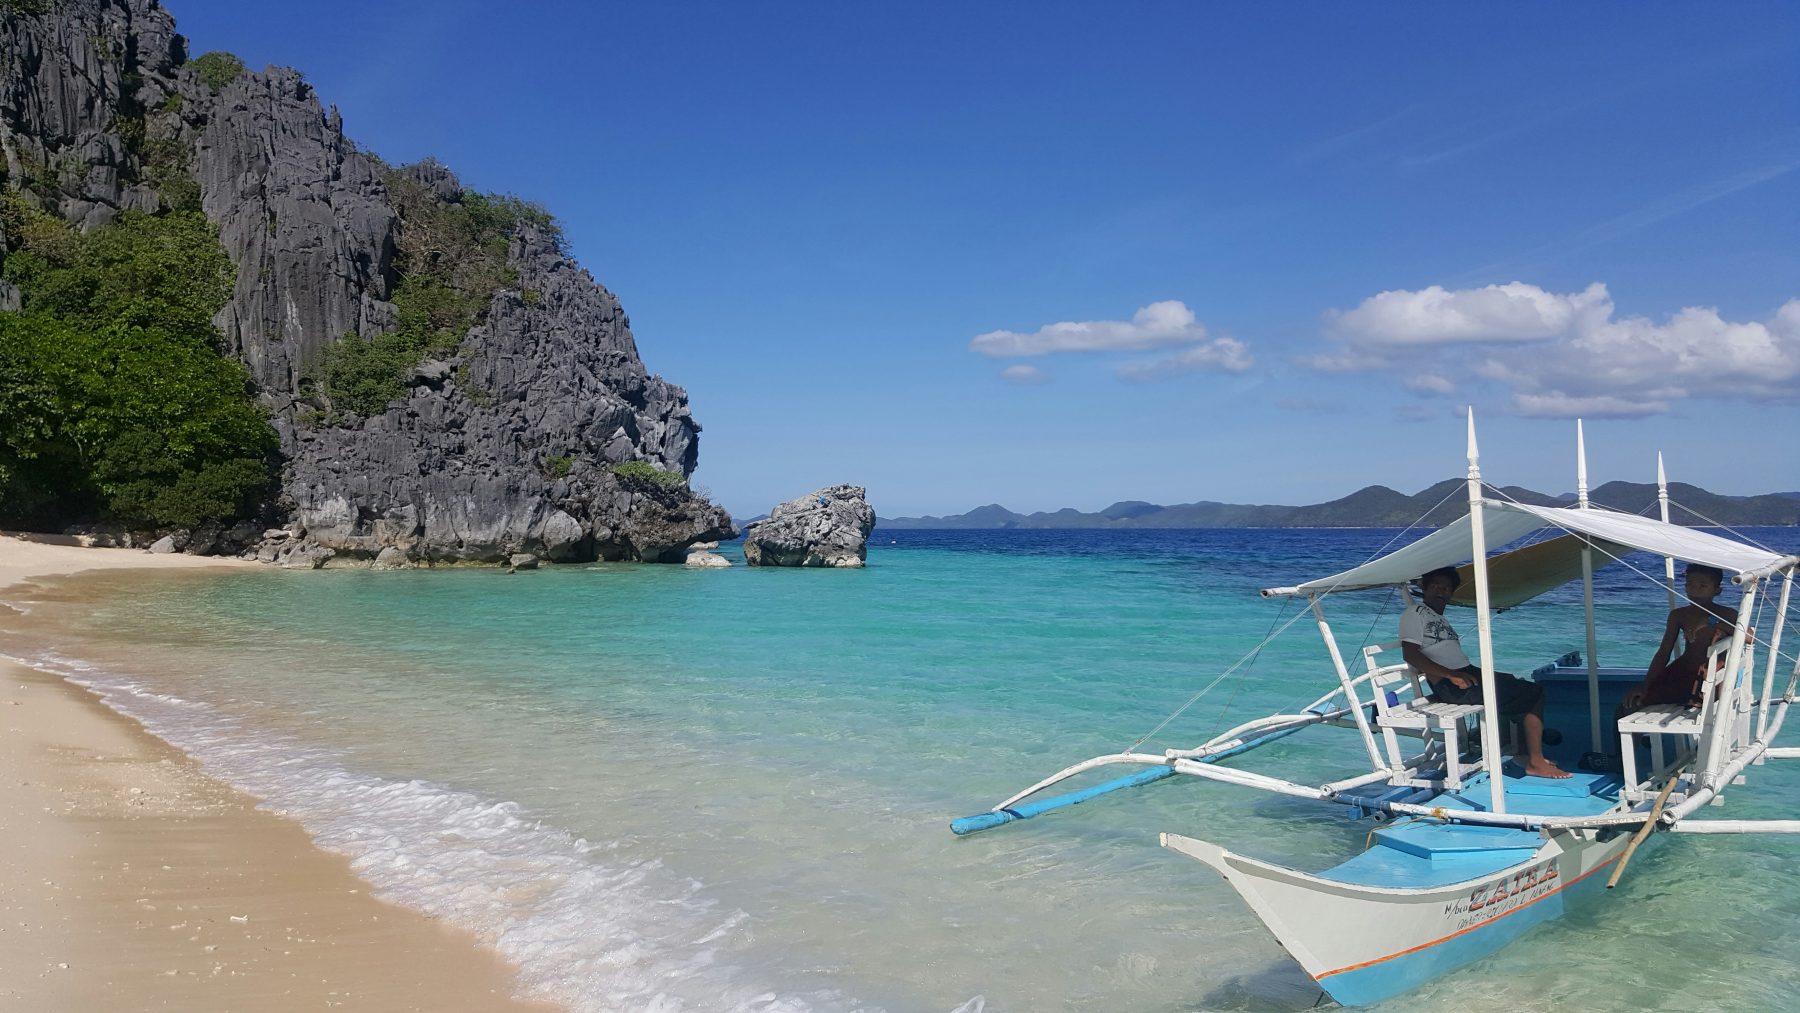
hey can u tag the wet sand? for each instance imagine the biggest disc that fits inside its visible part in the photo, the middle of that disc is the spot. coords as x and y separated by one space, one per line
130 880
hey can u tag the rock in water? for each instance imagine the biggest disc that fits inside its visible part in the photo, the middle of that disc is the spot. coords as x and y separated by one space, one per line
701 559
392 558
522 561
829 527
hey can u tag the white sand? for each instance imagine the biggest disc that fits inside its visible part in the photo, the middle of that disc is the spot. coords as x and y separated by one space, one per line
129 880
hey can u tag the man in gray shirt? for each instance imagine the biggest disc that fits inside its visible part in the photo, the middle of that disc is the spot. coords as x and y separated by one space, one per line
1430 645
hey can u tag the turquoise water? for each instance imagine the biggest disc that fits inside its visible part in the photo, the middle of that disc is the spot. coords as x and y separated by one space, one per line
656 788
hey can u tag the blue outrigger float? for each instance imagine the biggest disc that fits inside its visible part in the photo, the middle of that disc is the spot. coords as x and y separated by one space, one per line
1485 852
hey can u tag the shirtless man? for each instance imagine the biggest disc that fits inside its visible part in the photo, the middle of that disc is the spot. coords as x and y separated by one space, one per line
1431 646
1675 678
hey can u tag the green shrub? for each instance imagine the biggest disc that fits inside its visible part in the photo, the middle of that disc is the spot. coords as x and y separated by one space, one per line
434 315
559 466
645 473
366 376
36 232
165 166
143 425
217 68
27 6
114 400
150 270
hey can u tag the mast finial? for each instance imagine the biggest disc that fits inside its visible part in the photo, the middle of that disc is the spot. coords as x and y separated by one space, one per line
1474 450
1662 477
1581 481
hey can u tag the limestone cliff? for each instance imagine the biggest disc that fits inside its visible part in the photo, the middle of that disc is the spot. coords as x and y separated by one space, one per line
504 444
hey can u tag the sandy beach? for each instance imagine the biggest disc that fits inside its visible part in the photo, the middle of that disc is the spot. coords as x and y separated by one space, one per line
133 881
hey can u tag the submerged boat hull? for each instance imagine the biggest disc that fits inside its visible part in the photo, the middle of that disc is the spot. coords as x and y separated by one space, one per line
1365 943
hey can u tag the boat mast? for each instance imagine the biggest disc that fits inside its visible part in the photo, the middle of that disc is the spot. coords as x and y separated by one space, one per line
1587 594
1662 501
1484 624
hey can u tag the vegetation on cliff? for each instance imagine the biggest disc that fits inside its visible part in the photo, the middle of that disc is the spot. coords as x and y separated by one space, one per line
115 402
217 68
451 256
643 474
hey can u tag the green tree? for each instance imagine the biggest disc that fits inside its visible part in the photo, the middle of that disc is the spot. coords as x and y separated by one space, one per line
152 270
114 399
217 68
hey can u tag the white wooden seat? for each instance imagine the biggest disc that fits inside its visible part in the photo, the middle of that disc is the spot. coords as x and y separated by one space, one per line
1401 704
1658 720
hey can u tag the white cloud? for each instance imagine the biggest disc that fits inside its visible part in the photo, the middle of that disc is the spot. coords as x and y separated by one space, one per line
1227 354
1430 383
1158 325
1024 375
1556 405
1435 315
1567 354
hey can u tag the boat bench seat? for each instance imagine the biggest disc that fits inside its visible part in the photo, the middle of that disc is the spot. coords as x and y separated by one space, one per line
1662 719
1657 720
1427 713
1401 704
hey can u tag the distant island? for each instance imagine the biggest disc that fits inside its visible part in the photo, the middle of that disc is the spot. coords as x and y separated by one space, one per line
1377 506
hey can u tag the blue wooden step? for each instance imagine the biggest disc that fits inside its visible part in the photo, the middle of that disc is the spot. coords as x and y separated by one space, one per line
1450 840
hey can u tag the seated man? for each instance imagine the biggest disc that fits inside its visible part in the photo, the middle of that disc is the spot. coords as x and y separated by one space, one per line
1676 678
1431 646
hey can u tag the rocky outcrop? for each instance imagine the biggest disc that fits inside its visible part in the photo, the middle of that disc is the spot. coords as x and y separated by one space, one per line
828 527
391 558
702 557
503 447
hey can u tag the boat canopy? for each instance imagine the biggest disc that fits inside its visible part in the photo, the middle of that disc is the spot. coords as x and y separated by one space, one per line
1517 576
1521 574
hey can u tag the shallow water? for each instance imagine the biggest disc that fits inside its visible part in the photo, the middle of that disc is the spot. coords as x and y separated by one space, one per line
665 789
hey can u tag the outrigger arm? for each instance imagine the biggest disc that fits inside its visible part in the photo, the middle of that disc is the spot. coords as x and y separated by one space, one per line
1197 762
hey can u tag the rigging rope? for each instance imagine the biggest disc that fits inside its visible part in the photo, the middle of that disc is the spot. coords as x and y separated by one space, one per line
1741 536
1253 660
1250 656
1658 581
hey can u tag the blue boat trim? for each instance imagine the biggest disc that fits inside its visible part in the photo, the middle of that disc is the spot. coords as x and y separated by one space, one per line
966 825
1024 811
1374 980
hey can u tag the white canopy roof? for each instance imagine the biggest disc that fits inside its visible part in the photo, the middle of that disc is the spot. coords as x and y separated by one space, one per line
1688 544
1506 522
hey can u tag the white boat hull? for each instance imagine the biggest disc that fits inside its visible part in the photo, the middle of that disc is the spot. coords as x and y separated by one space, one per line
1364 944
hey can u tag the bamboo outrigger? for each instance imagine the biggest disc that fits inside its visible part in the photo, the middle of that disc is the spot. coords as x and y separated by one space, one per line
1489 852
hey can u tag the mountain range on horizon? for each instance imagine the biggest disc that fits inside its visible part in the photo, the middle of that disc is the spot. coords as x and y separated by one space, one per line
1375 506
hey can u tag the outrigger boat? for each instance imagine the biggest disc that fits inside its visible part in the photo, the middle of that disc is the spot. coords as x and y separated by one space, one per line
1484 852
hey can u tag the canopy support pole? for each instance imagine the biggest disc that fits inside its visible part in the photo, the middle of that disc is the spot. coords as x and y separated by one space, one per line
1595 745
1724 712
1793 681
1490 714
1762 712
1344 679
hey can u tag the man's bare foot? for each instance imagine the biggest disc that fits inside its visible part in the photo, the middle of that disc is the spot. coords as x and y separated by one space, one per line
1545 768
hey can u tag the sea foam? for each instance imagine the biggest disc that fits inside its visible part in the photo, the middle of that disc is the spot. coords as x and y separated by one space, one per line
587 926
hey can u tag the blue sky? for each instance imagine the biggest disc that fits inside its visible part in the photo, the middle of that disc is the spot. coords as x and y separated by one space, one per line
1291 240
